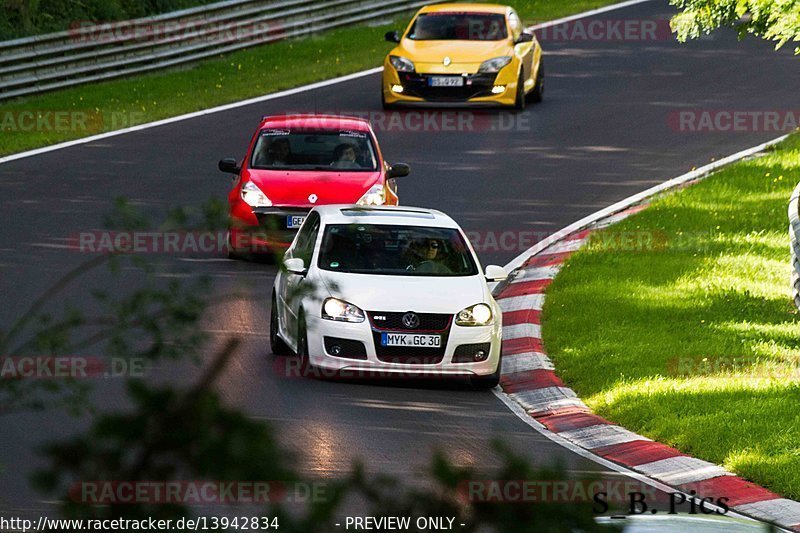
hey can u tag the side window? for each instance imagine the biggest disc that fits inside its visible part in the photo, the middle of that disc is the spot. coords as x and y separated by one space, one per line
306 238
515 23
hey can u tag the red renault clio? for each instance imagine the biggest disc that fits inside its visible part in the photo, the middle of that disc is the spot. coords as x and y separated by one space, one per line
295 162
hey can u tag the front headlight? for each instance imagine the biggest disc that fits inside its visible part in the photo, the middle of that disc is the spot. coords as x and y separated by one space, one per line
341 311
374 196
495 64
477 315
401 64
253 196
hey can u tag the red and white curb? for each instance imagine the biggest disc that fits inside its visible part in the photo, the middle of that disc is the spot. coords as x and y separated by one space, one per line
531 383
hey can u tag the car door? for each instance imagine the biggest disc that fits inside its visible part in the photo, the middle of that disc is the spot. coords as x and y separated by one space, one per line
524 51
294 285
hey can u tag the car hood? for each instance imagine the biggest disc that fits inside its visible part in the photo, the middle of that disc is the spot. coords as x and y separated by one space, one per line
285 188
466 56
406 293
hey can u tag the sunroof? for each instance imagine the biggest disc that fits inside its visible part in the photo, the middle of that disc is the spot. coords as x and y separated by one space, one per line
406 213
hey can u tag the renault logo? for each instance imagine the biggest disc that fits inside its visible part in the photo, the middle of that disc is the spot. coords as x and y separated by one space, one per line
411 320
313 198
447 61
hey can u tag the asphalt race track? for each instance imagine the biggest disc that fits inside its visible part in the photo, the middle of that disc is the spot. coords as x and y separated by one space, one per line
603 133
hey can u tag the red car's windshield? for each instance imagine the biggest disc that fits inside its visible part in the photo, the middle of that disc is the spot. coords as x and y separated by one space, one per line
338 151
459 27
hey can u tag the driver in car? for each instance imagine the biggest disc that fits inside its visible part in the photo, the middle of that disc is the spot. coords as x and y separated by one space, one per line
428 258
345 156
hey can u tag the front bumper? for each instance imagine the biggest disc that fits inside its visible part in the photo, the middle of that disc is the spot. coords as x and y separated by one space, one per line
476 89
436 365
264 229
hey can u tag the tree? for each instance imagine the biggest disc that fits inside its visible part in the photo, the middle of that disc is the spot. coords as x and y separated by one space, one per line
773 20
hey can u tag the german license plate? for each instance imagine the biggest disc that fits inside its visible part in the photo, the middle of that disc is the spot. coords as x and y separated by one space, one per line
446 81
411 341
294 221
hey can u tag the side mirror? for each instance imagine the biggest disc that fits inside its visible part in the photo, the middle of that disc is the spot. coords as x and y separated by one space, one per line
524 38
496 273
230 166
295 265
398 170
392 36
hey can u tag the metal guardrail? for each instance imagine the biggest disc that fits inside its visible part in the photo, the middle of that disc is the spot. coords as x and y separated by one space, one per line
794 236
110 50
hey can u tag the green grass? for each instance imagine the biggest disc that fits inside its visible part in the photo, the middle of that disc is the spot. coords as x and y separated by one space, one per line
690 337
31 17
244 74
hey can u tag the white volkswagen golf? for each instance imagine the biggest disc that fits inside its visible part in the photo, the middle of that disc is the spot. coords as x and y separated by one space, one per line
393 290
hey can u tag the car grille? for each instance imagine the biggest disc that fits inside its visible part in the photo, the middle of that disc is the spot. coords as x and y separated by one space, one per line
394 321
272 227
417 85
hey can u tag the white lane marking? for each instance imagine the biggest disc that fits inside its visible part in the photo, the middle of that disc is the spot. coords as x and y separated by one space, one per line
521 331
195 114
281 94
634 199
605 463
585 14
680 470
600 435
524 362
787 511
614 219
536 273
521 303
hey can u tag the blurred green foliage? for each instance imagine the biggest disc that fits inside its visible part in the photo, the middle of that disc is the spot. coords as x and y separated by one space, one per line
773 20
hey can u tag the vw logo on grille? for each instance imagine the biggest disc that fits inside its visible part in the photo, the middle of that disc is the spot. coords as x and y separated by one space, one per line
313 198
411 320
447 61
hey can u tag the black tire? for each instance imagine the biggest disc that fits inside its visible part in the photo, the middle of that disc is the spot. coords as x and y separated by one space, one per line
276 343
519 100
492 380
537 94
486 382
231 251
384 105
302 348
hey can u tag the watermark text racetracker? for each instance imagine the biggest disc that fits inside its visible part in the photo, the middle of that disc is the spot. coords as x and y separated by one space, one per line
734 120
201 523
607 30
196 492
81 121
194 31
436 121
634 496
72 366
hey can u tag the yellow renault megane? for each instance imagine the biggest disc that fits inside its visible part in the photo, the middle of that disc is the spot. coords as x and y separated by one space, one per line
476 54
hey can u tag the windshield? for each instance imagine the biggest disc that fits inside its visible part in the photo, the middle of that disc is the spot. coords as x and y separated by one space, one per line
339 151
459 27
395 251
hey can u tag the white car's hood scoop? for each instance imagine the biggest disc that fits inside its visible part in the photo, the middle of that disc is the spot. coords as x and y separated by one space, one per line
406 293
